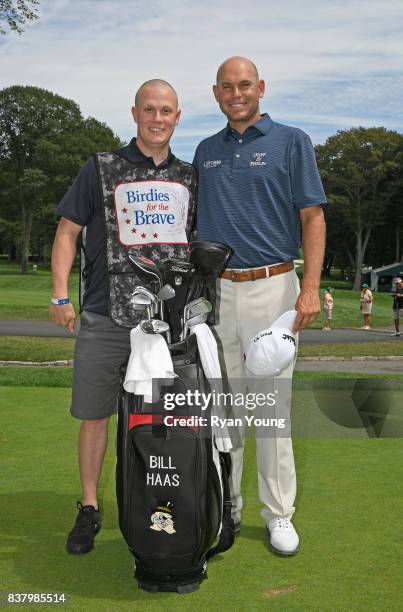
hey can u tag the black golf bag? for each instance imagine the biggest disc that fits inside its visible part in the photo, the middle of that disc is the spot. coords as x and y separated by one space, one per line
171 481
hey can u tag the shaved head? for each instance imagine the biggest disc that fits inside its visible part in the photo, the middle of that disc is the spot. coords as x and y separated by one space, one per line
159 83
157 114
237 62
238 91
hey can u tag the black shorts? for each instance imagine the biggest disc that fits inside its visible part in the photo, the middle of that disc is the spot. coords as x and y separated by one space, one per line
101 348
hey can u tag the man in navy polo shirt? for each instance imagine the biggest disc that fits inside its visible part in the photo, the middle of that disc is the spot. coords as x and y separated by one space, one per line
259 191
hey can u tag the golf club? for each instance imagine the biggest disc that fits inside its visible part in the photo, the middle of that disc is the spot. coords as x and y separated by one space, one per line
191 322
146 269
154 326
167 292
142 301
199 306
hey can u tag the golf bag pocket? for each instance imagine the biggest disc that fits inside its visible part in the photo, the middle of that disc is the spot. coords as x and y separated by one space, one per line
163 511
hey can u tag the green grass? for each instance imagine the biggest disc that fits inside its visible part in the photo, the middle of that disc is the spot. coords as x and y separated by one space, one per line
36 377
62 377
350 557
31 348
14 267
346 310
28 296
335 283
379 349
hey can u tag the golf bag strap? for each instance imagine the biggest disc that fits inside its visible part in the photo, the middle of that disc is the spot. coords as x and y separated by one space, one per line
227 535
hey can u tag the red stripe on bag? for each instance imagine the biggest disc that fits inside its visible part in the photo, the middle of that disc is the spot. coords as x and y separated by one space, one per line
144 419
155 419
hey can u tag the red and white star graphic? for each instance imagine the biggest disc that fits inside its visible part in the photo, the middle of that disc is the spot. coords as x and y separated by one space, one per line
155 235
134 231
143 235
124 210
128 221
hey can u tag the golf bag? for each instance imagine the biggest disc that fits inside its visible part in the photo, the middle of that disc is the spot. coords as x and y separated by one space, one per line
172 483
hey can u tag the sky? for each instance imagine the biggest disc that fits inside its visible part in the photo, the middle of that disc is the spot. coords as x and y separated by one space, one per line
328 64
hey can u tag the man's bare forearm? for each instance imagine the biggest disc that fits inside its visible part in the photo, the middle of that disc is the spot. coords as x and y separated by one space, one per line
63 255
313 244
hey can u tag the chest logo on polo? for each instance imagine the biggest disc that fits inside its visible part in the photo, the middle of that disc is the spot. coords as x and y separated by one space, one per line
212 163
151 212
257 160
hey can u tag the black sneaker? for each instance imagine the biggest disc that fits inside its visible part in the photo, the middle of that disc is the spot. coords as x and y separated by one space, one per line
88 523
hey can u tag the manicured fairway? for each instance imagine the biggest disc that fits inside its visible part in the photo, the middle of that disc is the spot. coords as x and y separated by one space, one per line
27 297
349 517
30 348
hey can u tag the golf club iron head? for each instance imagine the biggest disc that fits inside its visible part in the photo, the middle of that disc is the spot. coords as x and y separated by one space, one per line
142 295
167 292
196 320
196 307
142 301
146 293
154 326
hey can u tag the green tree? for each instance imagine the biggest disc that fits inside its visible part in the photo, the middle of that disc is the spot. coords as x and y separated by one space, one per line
339 239
17 13
43 142
362 172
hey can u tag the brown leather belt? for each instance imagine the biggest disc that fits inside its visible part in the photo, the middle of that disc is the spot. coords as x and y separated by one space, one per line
256 273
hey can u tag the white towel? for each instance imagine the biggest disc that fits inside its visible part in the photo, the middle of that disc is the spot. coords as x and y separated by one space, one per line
149 359
207 346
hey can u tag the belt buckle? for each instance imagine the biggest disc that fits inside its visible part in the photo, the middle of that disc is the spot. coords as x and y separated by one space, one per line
233 272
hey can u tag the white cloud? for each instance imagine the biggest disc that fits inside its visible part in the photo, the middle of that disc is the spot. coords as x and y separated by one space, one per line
329 65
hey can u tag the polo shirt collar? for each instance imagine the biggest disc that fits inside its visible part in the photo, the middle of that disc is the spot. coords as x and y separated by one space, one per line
262 125
134 155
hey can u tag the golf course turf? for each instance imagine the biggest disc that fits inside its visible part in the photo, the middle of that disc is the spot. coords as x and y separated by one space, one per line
348 516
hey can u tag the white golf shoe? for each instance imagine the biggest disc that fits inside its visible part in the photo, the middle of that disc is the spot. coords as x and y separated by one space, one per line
284 539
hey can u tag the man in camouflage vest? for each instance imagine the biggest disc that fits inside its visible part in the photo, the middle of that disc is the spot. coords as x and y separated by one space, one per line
138 200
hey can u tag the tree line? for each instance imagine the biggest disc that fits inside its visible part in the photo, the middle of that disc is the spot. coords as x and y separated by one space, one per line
16 13
44 139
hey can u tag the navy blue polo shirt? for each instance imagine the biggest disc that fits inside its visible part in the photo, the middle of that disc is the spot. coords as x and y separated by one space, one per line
251 188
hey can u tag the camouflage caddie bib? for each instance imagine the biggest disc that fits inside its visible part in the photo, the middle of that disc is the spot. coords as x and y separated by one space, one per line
149 212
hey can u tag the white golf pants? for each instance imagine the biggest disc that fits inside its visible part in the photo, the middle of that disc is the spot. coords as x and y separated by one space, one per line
244 309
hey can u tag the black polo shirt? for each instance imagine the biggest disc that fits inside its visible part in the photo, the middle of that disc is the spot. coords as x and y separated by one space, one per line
83 204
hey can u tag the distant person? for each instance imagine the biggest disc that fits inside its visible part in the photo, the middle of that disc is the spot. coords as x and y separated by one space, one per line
328 308
395 281
397 294
366 301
